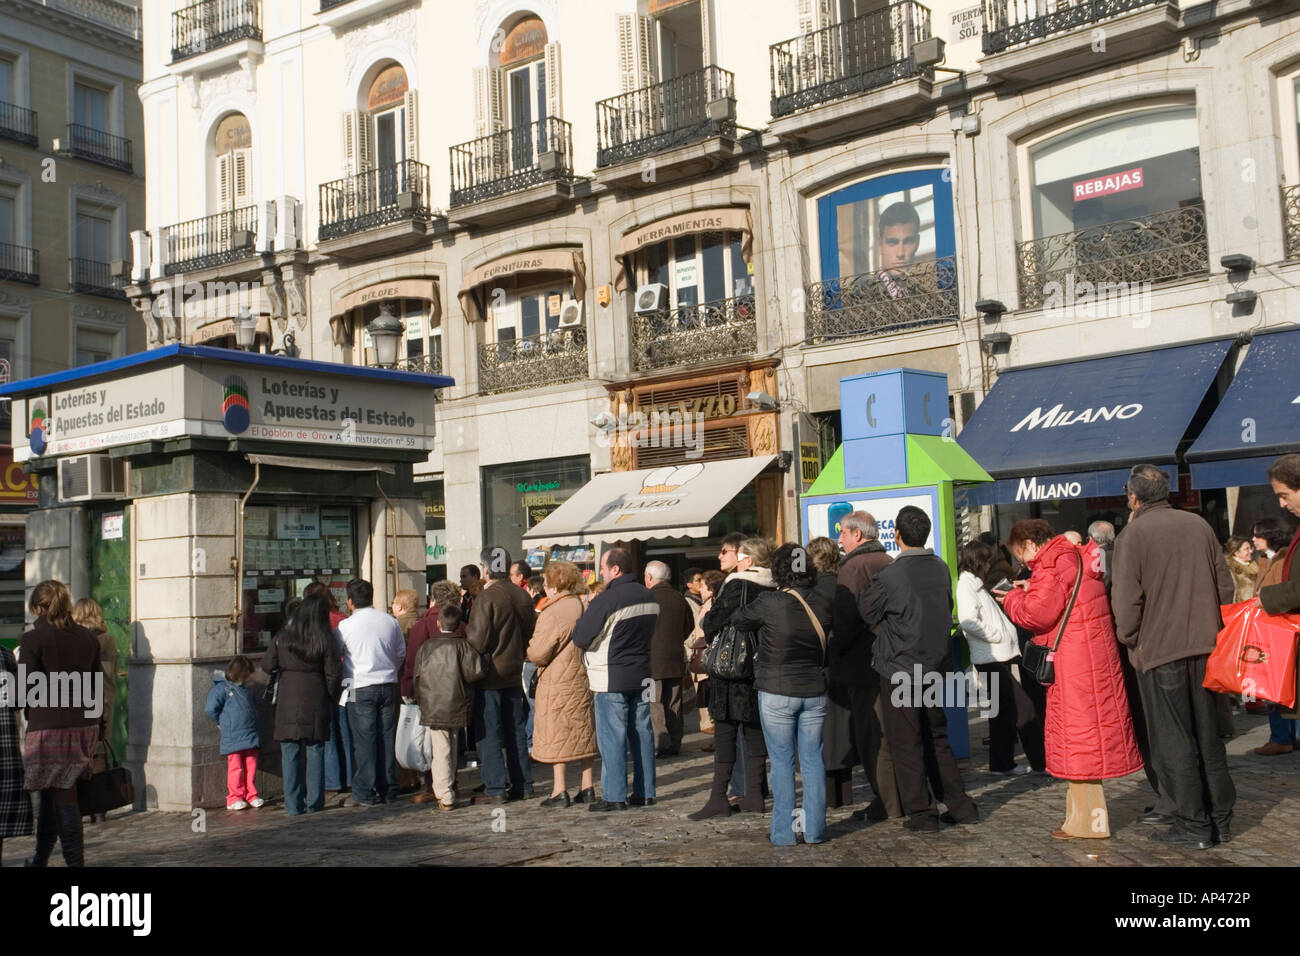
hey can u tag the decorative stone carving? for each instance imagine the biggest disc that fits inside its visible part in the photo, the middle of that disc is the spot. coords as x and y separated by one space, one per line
275 296
400 25
14 301
95 313
295 290
242 79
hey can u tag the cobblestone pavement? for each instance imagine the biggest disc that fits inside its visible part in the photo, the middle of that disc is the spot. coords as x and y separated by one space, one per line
1018 817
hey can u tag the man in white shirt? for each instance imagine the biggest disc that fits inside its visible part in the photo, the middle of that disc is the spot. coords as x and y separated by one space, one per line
372 660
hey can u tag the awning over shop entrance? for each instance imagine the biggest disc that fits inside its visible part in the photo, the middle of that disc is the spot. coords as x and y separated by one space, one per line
507 271
1258 419
672 502
730 218
1074 429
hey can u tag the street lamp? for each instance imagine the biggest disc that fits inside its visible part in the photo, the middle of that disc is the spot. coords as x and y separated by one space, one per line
385 331
245 330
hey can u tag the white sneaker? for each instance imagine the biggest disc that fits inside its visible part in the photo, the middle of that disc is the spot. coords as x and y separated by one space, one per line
1019 770
237 805
256 803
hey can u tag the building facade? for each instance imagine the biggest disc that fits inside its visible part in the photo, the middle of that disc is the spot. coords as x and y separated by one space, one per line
71 192
653 234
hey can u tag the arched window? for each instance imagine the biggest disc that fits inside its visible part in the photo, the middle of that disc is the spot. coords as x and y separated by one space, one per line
520 86
232 144
381 133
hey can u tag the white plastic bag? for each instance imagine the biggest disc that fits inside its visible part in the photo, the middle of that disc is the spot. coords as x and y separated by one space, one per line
413 749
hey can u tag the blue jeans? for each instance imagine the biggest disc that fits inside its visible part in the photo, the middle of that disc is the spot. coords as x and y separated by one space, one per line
290 751
373 715
500 720
338 751
1281 731
791 723
623 718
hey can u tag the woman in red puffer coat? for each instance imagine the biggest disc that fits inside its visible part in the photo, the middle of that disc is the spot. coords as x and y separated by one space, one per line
1089 732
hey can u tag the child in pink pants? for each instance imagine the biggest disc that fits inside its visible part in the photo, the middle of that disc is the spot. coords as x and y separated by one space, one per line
232 705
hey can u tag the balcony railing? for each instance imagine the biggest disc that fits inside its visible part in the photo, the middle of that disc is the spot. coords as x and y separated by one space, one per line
425 364
213 24
19 264
511 160
548 358
878 303
18 124
1291 220
211 241
1112 257
1011 22
97 146
688 335
660 117
373 198
848 58
93 278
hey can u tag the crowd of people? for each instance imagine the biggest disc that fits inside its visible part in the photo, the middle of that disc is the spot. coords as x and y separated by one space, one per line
1095 647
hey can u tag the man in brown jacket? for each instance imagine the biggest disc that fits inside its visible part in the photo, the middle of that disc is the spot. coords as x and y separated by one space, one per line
667 658
852 679
1168 582
501 624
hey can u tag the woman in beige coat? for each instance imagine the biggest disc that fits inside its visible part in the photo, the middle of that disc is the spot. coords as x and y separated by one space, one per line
565 726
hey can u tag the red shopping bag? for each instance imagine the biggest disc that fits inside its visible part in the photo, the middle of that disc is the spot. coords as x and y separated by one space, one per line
1255 654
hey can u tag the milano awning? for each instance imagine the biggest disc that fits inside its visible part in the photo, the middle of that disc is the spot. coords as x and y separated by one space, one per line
1074 429
1258 419
671 502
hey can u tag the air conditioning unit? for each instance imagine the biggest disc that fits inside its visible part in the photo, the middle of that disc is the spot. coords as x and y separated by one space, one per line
570 313
91 477
651 298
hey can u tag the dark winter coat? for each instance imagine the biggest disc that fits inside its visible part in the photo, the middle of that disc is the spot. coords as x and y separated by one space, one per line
790 659
849 660
728 699
910 606
308 692
234 709
445 666
615 634
672 627
1170 578
425 628
50 650
501 624
1089 727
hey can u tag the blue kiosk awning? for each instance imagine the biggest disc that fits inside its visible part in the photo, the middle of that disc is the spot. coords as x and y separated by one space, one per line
1074 429
1258 419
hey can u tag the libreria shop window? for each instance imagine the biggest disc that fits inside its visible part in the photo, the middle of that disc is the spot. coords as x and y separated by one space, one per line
286 548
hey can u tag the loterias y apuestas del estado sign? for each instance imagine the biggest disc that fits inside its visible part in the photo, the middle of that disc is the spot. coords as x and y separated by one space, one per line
301 402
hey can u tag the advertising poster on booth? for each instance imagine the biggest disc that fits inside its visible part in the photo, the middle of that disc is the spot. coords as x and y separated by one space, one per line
822 515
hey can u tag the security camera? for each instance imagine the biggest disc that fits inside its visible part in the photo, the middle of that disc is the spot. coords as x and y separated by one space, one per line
763 400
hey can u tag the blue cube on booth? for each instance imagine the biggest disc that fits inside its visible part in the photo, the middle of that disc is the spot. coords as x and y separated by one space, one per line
875 462
892 402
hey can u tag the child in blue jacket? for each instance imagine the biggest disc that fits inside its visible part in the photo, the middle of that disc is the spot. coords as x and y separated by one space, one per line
232 705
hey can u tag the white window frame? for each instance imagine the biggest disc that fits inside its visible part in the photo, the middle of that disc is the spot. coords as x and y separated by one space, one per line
511 314
729 277
1024 163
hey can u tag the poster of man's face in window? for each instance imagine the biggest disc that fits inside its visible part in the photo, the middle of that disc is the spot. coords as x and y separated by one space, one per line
887 223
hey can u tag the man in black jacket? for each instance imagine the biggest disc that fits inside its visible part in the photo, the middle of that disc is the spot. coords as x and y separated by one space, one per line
909 604
615 634
667 658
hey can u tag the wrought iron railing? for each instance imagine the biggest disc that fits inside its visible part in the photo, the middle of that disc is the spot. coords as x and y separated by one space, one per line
666 115
1291 220
878 303
1113 256
426 364
211 241
373 198
1011 22
548 358
848 58
19 264
18 124
97 146
331 4
690 334
93 278
511 160
213 24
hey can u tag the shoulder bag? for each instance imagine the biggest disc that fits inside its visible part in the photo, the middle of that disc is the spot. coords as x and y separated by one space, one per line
1038 659
817 625
106 790
730 655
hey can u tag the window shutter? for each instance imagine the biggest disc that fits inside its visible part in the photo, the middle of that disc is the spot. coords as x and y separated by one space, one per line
412 127
489 100
243 190
554 104
706 32
365 154
225 195
647 60
627 50
350 118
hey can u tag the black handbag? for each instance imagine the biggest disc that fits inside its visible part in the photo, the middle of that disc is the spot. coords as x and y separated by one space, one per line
106 790
730 655
1038 659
